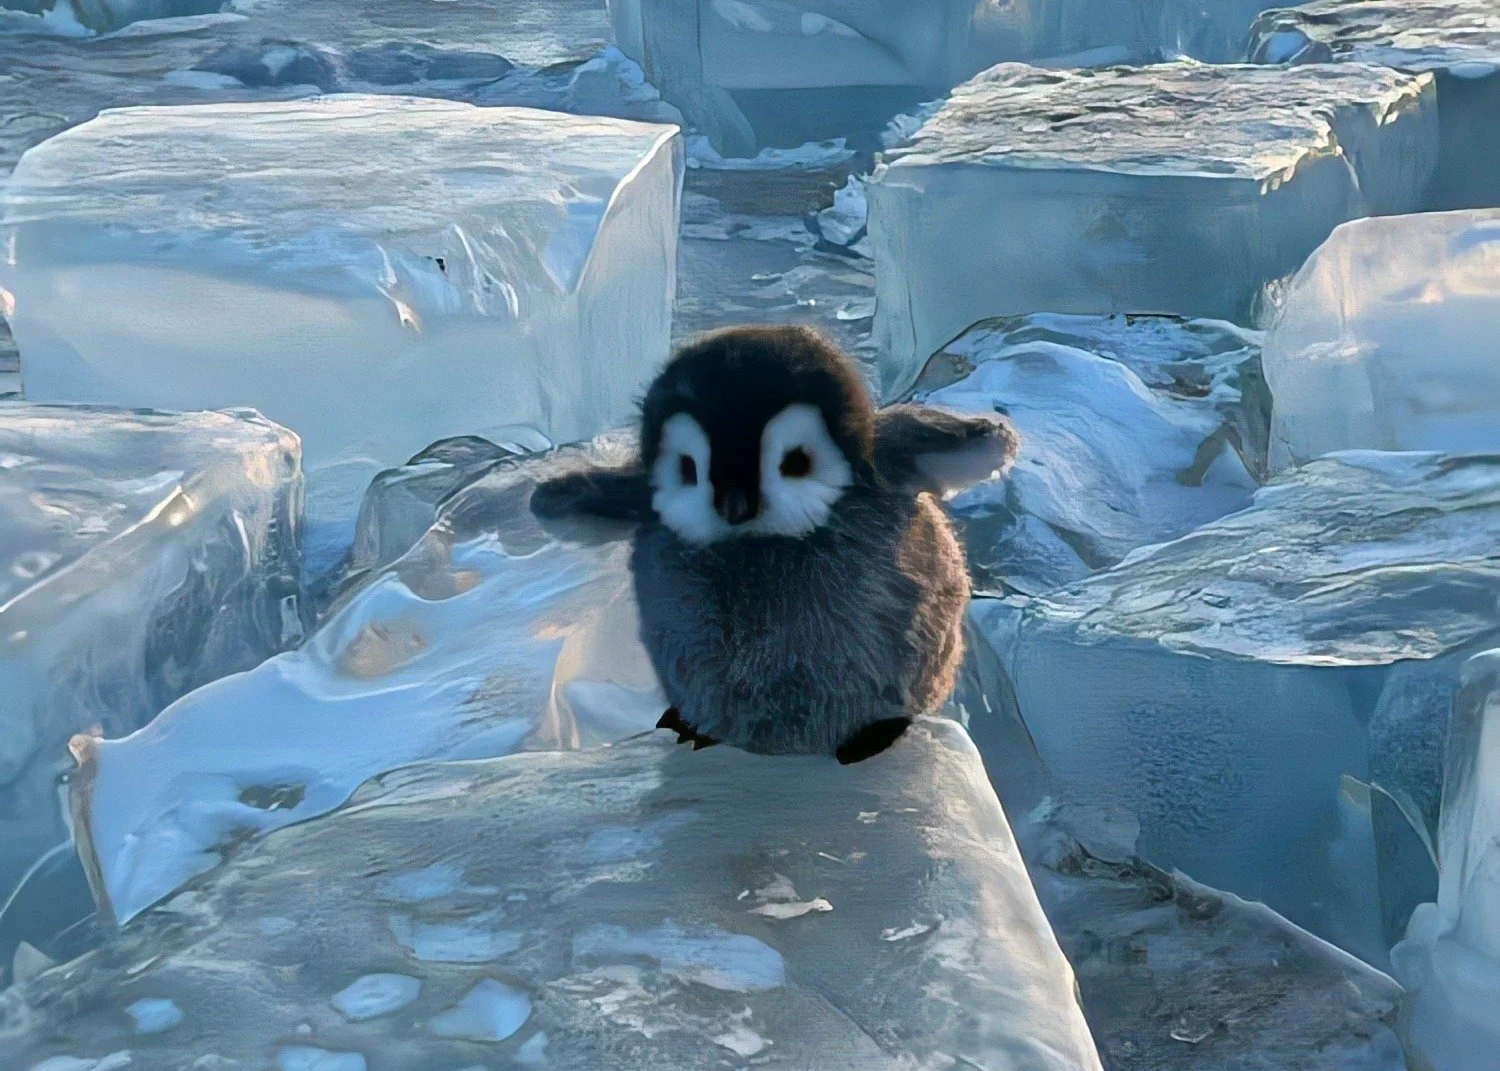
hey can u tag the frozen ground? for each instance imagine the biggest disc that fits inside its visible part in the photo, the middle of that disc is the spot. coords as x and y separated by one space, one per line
141 555
1267 693
1108 208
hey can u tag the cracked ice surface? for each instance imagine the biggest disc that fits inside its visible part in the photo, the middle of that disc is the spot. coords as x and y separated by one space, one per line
1450 960
141 555
1176 188
507 268
1220 686
1386 340
632 960
1134 430
487 637
1456 40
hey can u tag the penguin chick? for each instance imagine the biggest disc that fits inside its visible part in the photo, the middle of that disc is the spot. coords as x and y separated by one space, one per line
800 589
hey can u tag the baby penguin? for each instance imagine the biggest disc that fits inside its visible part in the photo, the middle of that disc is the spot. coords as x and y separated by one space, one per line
800 589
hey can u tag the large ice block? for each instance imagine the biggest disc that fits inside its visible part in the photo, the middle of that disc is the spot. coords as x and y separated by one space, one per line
635 907
141 555
1134 430
1386 340
374 272
1220 686
1456 40
1450 960
1175 188
490 635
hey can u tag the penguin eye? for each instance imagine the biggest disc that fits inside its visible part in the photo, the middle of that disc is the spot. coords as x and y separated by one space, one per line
795 463
687 471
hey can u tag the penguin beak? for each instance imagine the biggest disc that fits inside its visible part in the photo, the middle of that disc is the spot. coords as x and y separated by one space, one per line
736 507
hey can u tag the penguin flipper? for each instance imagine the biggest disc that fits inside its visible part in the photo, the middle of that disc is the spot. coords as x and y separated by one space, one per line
619 494
941 451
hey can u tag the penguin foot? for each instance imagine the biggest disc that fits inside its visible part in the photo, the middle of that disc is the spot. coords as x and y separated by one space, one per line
672 720
870 741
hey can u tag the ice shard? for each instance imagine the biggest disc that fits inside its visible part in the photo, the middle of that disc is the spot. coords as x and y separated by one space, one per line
141 555
374 272
1385 340
1175 188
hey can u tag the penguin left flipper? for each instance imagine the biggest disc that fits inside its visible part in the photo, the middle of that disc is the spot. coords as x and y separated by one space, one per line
672 720
618 494
939 451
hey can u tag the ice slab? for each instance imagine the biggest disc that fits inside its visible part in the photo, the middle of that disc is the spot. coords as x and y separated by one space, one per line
1175 974
1220 687
1386 340
1134 430
1456 40
492 268
70 17
141 555
1173 188
632 876
1450 960
489 636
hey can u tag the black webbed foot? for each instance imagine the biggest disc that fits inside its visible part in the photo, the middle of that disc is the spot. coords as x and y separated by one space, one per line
871 740
672 720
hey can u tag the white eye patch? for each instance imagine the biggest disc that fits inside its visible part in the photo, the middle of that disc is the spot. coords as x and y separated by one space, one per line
680 491
802 472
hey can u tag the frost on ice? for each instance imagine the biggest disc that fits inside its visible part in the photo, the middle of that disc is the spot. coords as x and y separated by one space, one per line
634 967
1386 340
505 268
1450 960
141 555
1135 430
1223 685
1458 41
488 636
1108 207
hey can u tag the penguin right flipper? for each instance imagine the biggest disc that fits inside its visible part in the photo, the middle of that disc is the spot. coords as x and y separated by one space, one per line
940 451
672 720
622 494
872 740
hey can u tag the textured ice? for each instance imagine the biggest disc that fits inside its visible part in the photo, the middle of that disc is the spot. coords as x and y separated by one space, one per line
1135 430
488 636
141 555
1221 686
503 268
374 995
1175 188
104 16
1450 960
754 69
154 1015
655 964
1457 40
1386 340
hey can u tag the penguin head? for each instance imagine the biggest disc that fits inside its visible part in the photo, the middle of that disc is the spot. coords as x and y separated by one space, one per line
755 431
